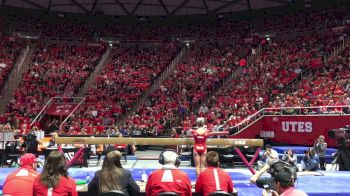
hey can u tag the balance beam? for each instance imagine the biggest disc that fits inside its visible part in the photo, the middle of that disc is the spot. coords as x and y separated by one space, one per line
155 141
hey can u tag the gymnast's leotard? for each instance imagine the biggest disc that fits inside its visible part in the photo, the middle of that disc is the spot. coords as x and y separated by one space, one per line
200 141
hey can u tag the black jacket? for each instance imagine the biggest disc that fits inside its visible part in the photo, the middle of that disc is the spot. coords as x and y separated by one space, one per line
128 183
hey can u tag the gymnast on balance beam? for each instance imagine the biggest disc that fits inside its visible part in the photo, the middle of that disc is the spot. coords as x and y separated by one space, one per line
200 135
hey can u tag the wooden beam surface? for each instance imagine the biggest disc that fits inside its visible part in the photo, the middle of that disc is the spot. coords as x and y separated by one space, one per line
156 141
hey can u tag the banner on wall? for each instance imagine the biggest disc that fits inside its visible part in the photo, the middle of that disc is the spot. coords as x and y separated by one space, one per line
61 109
295 130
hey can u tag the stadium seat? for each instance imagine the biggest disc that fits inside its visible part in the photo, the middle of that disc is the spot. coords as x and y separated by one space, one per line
220 193
114 193
168 194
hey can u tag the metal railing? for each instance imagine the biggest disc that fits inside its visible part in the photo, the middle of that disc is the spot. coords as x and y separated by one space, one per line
295 111
76 107
56 100
42 111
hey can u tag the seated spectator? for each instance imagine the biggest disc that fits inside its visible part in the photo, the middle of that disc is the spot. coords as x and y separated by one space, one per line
54 179
168 178
284 186
310 161
271 156
23 177
112 177
213 178
290 158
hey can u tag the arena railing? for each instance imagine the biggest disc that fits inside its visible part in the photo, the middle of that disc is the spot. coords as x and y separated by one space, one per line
57 100
79 104
42 111
342 110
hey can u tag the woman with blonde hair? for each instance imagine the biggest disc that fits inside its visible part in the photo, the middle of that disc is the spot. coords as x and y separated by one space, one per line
200 136
112 177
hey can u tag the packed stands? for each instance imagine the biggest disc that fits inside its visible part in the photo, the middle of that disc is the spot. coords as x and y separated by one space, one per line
130 73
10 48
55 70
327 86
206 65
293 48
281 60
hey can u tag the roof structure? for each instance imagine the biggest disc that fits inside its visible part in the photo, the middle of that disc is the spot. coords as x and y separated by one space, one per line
146 7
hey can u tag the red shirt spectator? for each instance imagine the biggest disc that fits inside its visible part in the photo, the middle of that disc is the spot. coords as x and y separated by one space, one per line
66 187
214 179
54 179
20 182
243 62
168 180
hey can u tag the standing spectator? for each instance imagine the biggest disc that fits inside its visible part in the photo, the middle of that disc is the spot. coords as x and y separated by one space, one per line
284 186
113 176
168 178
320 149
54 179
213 178
20 182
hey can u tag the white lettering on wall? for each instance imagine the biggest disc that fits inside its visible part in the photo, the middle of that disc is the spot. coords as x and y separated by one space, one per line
267 134
293 126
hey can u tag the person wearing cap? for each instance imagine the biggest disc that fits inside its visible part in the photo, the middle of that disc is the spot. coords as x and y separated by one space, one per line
284 186
23 177
320 147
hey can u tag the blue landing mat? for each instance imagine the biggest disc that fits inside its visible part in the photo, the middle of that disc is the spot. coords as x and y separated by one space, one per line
329 183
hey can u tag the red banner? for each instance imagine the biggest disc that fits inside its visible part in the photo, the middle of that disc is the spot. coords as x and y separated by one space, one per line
297 130
61 109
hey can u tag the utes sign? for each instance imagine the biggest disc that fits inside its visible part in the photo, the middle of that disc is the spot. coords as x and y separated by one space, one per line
294 126
61 109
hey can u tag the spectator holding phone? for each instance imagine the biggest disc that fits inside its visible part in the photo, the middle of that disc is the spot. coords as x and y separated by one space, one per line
290 158
320 147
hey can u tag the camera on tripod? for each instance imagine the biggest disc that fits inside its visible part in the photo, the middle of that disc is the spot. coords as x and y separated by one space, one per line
30 143
29 138
340 133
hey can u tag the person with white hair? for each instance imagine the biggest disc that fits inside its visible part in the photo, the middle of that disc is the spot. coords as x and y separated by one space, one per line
169 178
200 136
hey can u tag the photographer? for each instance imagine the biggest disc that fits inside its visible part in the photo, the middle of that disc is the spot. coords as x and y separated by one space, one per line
343 155
284 186
310 161
269 182
320 147
290 158
271 156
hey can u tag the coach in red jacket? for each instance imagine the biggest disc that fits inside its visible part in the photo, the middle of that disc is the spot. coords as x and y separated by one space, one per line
168 178
20 182
213 178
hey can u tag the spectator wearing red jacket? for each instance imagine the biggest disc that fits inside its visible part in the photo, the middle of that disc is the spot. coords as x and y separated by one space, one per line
168 178
20 182
213 178
54 179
